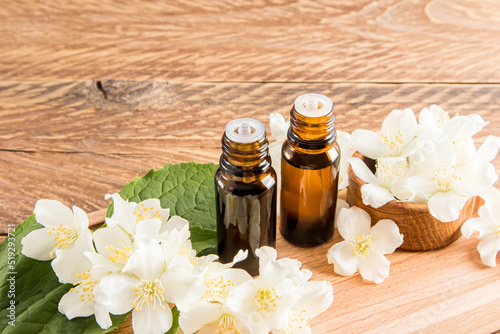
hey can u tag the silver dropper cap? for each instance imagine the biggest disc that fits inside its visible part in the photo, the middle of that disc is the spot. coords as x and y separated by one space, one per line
245 130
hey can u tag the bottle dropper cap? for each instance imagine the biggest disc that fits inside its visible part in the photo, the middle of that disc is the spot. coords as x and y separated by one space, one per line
313 105
245 130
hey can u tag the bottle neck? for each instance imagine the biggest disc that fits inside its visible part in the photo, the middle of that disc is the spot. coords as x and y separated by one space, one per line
310 132
245 159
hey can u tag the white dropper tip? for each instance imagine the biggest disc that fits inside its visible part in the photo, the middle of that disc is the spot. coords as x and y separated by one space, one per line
312 104
244 129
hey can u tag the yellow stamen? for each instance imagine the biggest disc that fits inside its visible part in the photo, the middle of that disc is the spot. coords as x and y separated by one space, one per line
63 237
296 320
265 300
362 245
388 174
445 177
118 255
227 325
217 288
148 292
393 140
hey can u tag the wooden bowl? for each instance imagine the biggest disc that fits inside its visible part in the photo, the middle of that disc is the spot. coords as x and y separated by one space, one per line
420 229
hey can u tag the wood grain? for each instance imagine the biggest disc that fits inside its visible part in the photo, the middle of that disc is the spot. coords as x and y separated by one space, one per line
67 140
136 117
94 93
265 40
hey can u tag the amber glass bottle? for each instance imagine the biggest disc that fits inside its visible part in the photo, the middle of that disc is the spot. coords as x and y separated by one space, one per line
309 172
245 193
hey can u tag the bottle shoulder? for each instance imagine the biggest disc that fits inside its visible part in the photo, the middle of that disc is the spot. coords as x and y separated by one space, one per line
249 185
325 155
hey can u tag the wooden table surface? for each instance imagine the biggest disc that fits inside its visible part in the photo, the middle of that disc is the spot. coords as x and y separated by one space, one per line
94 93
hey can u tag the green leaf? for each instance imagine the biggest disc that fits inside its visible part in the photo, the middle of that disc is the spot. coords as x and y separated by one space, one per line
36 293
175 323
204 241
188 190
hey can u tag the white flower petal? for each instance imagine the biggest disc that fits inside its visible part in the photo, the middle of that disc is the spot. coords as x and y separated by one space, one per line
315 298
115 293
353 222
102 263
241 298
266 255
68 264
240 256
84 242
226 321
342 256
293 271
273 273
147 229
149 321
446 206
490 210
237 276
195 318
170 247
374 267
287 297
368 143
481 225
110 236
296 327
341 204
441 152
418 197
344 141
362 171
477 177
279 127
401 193
375 195
71 305
174 223
386 236
172 237
433 117
420 186
465 150
122 209
147 261
207 261
38 244
399 129
102 316
489 149
399 119
81 220
462 127
488 249
128 228
51 213
182 287
151 208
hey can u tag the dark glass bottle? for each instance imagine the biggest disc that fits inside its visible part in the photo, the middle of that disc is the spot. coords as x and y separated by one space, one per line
309 172
245 193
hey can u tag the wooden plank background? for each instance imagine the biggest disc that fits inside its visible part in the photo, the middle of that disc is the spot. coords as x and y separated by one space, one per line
95 93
